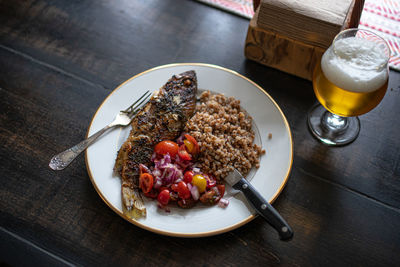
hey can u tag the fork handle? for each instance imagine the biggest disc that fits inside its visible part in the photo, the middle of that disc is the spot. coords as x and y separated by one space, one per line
62 160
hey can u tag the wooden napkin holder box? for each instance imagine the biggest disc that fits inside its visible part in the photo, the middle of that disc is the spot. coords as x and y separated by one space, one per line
285 53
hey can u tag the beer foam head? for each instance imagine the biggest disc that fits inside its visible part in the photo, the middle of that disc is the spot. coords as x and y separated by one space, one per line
355 64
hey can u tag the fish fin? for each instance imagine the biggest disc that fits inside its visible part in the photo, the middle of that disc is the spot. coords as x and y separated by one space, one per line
132 203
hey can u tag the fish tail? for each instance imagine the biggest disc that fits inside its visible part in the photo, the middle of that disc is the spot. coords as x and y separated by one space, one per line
132 203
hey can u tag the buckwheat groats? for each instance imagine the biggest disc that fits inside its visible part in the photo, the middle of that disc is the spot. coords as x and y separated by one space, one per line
223 131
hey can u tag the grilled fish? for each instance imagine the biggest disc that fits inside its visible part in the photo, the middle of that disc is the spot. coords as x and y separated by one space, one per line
163 118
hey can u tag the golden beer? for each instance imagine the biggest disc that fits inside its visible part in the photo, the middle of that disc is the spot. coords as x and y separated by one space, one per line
350 80
352 77
344 102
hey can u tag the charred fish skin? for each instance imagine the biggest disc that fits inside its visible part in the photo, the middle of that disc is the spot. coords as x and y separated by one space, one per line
163 118
169 109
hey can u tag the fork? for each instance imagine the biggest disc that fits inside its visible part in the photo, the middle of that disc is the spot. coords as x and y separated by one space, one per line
123 118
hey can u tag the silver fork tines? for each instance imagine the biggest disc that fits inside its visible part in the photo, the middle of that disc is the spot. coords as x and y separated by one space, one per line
123 118
135 107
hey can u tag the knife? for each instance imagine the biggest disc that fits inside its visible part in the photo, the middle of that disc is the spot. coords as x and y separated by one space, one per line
236 180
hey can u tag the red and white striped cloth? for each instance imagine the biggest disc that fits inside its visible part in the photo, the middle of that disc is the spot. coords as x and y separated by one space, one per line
242 8
383 18
379 16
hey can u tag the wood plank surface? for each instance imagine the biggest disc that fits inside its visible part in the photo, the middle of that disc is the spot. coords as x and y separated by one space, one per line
60 59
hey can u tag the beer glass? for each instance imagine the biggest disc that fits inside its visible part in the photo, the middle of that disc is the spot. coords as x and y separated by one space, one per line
350 80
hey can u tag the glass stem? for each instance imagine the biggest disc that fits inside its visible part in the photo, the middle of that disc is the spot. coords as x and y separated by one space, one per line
333 122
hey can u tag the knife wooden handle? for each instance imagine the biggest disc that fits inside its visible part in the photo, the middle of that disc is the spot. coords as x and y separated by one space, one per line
265 209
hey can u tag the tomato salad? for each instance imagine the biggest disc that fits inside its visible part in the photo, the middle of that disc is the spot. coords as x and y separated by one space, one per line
174 177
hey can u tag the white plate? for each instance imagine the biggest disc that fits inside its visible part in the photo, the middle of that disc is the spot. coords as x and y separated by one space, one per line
269 179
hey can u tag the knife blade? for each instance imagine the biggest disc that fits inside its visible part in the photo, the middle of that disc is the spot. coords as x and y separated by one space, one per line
263 208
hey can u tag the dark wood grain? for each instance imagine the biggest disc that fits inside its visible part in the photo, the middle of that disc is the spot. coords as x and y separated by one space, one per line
60 59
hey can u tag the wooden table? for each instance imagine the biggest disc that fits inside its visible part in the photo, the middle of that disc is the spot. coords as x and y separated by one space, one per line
60 59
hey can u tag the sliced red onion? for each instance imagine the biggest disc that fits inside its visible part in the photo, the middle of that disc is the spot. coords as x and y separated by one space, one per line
196 170
143 168
163 174
157 172
168 171
167 158
179 174
223 203
195 193
157 184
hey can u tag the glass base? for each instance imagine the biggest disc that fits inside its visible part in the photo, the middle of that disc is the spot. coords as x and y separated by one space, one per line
332 129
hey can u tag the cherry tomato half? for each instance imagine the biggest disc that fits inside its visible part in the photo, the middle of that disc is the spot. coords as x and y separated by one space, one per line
187 178
174 187
191 144
221 189
183 154
163 197
183 190
199 181
146 182
165 147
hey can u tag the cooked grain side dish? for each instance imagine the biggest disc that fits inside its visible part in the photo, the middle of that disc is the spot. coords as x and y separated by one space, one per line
223 131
